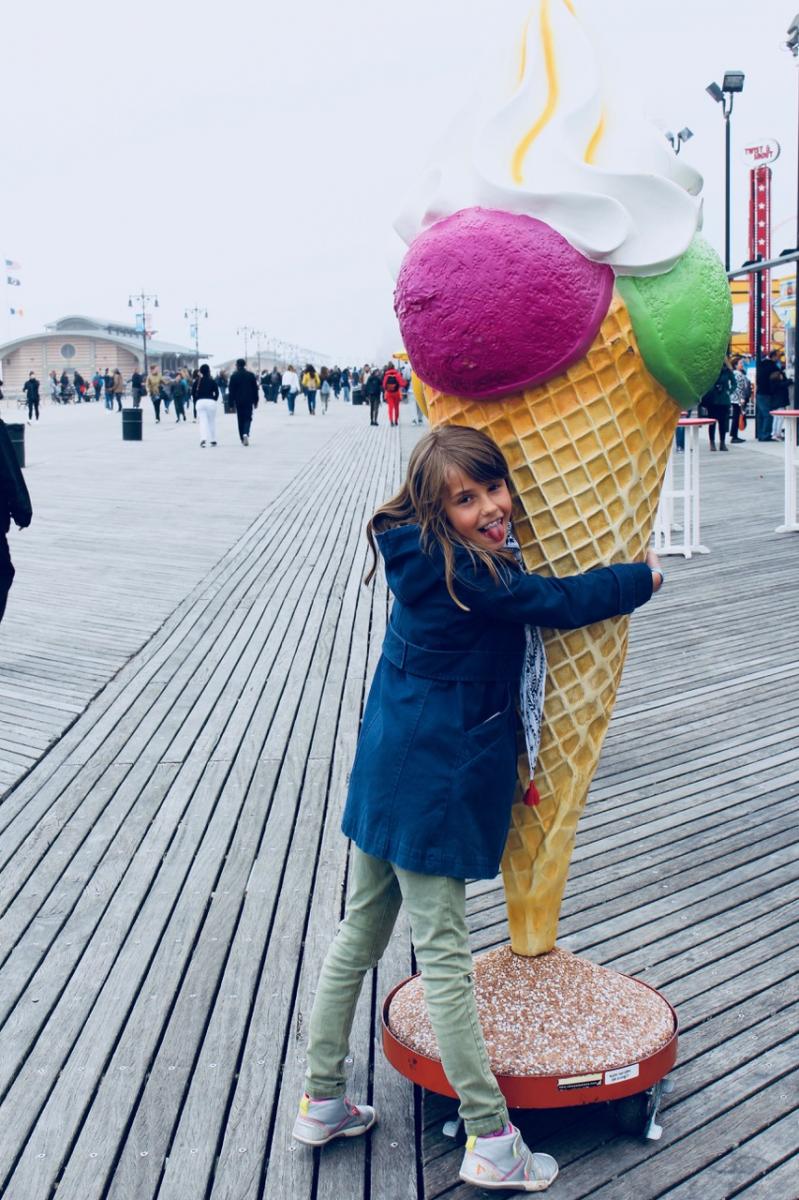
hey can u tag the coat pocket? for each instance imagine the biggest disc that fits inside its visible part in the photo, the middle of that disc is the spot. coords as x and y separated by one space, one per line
481 737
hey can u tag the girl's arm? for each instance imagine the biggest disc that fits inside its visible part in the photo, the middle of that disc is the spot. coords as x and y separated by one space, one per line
556 603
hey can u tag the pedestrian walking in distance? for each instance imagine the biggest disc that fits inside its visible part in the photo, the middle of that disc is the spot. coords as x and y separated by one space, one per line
31 390
392 392
15 504
310 386
136 387
372 390
180 394
325 388
243 388
118 388
289 387
205 393
154 385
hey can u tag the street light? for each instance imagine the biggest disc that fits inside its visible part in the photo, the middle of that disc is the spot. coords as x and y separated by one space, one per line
258 334
245 331
733 82
194 314
677 139
143 299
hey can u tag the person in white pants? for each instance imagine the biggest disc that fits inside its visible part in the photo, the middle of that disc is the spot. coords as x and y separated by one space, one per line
206 393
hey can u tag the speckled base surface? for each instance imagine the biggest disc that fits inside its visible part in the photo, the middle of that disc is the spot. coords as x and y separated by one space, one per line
556 1014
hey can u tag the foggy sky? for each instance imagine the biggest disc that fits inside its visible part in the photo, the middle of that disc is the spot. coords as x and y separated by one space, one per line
251 158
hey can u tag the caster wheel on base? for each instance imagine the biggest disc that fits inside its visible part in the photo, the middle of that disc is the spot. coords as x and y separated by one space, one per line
637 1115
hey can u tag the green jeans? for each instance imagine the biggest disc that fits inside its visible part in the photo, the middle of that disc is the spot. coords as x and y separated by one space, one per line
436 908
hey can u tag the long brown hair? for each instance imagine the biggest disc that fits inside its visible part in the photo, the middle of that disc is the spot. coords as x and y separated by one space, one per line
420 499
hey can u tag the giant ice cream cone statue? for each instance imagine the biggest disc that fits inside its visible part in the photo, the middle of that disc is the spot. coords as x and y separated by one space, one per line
557 295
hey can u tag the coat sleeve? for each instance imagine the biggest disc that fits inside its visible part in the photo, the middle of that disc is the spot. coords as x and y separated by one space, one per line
14 495
555 603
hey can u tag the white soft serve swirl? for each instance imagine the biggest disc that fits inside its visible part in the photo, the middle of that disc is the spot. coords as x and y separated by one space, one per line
635 206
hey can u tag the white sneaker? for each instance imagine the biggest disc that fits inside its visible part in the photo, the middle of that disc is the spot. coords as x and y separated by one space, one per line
320 1121
506 1163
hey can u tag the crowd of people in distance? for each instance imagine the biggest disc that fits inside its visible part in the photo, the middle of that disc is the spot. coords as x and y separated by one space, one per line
369 385
744 387
366 384
742 381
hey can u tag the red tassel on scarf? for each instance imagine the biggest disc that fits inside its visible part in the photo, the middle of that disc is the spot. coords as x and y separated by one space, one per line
531 796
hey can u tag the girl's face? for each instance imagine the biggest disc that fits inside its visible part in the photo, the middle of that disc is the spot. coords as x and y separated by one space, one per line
479 512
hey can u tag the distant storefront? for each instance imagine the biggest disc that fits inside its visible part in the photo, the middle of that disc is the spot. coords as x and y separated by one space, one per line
86 345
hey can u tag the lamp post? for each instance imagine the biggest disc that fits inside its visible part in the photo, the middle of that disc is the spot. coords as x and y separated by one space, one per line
245 331
258 334
143 299
677 139
733 82
193 315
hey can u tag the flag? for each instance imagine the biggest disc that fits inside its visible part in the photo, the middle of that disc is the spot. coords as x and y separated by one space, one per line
12 281
13 266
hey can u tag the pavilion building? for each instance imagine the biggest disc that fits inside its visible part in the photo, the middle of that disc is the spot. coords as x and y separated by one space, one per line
87 345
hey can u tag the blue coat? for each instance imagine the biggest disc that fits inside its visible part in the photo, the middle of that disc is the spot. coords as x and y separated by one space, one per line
432 784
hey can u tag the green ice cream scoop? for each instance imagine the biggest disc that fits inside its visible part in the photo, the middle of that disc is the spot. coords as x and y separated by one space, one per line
682 321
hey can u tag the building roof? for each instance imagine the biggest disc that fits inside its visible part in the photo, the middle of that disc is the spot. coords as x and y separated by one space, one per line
117 332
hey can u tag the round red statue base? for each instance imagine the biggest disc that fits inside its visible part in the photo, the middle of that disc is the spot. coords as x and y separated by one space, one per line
559 1031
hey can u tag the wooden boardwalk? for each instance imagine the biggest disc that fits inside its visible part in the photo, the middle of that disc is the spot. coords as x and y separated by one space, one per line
171 869
122 532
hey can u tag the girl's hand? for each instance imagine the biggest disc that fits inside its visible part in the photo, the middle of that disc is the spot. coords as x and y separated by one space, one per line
653 562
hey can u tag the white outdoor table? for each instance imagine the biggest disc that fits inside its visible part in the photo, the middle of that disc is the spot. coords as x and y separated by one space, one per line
791 415
689 494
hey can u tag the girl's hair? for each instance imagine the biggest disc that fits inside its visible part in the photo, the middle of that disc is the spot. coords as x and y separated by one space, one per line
420 500
205 369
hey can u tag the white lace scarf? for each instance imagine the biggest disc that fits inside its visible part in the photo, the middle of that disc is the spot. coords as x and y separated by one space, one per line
532 684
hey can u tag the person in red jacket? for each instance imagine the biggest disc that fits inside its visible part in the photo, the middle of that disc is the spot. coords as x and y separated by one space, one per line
393 383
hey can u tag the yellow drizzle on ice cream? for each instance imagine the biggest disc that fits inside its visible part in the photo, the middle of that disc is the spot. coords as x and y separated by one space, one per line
596 138
524 145
523 57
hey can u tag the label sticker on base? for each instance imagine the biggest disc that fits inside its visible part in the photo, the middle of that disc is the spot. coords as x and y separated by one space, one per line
622 1073
570 1082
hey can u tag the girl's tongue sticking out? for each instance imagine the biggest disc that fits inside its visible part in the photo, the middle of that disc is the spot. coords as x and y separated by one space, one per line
495 531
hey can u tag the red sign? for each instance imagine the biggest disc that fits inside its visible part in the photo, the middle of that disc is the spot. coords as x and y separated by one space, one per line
760 247
763 153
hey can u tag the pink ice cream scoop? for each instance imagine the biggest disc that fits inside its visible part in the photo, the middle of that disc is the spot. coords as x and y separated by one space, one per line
491 302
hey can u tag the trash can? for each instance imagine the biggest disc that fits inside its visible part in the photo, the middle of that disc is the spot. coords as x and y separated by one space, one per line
17 434
131 424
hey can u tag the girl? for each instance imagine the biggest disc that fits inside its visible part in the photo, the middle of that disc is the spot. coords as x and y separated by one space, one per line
324 388
434 775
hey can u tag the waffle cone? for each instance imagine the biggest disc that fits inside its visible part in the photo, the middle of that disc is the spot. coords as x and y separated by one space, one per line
587 452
